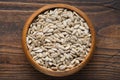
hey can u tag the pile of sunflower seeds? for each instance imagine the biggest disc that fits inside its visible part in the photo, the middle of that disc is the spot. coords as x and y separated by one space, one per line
58 39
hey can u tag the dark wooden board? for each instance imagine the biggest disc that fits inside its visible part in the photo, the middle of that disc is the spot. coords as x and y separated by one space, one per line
105 63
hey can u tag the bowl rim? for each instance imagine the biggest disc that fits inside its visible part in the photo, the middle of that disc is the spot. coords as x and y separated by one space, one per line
42 68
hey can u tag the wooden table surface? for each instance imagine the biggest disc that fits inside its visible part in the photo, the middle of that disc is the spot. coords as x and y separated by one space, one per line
105 63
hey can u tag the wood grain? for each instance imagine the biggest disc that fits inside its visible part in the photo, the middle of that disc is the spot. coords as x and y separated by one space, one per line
105 63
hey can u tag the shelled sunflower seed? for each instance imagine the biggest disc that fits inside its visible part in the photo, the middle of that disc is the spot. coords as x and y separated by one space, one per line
59 39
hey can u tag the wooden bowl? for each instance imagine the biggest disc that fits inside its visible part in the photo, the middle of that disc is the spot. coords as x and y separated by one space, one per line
45 70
